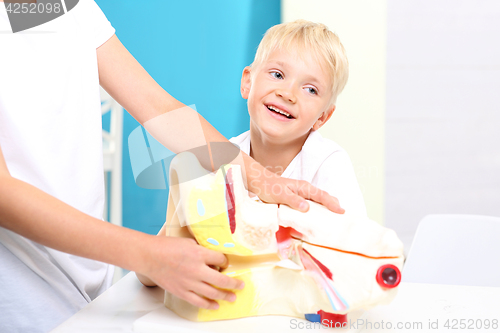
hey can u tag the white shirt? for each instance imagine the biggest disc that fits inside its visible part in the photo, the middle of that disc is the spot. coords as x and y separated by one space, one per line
51 138
324 164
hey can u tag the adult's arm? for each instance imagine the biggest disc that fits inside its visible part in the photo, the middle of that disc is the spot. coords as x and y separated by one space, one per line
176 264
129 84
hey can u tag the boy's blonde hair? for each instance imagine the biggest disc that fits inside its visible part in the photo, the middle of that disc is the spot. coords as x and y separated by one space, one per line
306 35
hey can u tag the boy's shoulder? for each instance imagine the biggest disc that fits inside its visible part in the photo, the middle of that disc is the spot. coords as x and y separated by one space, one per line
316 146
242 141
321 146
320 155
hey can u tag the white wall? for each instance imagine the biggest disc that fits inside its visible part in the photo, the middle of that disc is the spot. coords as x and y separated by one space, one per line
443 110
441 113
358 123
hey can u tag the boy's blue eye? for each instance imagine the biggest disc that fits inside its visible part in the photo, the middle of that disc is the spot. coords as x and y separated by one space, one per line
277 75
312 90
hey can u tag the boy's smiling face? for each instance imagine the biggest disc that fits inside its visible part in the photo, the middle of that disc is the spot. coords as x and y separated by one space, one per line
288 95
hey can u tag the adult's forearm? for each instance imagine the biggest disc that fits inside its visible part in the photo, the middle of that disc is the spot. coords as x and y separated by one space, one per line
44 219
178 265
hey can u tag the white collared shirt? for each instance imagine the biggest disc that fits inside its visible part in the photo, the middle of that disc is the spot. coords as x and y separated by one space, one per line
324 164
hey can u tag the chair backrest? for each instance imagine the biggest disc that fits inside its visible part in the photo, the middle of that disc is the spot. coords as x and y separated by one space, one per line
455 250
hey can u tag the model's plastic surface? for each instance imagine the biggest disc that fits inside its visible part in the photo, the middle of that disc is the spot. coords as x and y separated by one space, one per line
319 264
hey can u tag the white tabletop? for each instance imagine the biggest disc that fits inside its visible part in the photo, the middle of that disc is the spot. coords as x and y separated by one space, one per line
130 307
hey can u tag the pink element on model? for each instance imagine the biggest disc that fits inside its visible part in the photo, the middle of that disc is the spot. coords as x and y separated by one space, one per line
231 212
325 269
322 280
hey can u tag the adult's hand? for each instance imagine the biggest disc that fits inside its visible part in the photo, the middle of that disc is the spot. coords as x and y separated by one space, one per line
185 272
272 188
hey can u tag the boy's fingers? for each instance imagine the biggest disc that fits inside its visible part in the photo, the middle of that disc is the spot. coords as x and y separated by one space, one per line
222 281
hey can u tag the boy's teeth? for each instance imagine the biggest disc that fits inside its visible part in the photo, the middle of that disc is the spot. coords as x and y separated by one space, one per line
279 111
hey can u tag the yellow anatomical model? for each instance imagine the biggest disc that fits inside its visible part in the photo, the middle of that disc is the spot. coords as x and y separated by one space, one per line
316 265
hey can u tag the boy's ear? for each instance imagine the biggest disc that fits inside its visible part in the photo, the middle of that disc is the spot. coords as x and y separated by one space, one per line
246 82
323 118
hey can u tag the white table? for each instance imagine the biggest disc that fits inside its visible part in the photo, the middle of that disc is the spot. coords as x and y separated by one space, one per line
130 307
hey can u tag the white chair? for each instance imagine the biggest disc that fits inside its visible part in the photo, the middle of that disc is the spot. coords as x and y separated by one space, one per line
455 250
112 143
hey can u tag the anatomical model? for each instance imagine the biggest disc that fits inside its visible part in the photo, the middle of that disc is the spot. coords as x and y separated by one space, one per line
316 265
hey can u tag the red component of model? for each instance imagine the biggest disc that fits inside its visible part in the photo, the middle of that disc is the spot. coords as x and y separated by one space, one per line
284 240
231 212
325 269
333 320
388 276
284 237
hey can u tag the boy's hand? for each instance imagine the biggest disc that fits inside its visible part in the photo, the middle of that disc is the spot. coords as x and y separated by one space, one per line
275 189
181 266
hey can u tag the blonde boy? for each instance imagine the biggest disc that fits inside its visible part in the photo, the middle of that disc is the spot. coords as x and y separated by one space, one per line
292 86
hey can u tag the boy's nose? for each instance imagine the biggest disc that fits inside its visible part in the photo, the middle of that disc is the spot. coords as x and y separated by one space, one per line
287 95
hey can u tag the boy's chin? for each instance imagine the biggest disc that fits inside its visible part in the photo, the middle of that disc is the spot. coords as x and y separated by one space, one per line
282 137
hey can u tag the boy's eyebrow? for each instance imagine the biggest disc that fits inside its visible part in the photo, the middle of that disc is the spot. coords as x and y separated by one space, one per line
281 63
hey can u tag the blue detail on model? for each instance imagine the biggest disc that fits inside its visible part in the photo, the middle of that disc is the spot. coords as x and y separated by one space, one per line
313 317
200 207
212 241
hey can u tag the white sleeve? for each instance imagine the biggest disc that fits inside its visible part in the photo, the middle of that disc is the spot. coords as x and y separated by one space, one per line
95 22
336 176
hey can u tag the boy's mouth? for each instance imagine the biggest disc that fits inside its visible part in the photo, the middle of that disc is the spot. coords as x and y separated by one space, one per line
279 111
